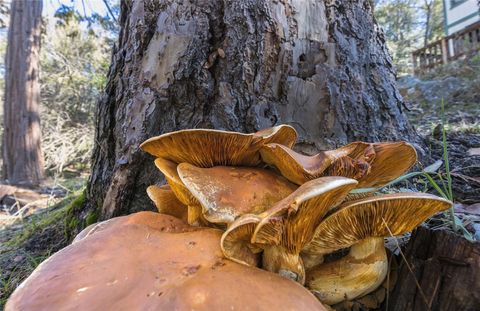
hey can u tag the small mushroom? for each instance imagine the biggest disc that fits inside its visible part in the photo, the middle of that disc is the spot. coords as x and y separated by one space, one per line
285 228
362 225
166 265
373 300
236 241
166 202
226 192
169 169
372 164
208 148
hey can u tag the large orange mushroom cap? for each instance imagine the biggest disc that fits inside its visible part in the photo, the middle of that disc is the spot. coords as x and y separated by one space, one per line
169 266
226 192
146 219
208 148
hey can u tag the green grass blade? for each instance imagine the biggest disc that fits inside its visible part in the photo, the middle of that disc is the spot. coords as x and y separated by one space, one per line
436 186
445 155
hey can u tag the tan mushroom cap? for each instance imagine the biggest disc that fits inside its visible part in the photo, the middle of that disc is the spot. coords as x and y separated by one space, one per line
121 268
226 192
300 168
169 169
372 164
236 241
374 217
348 167
293 220
208 148
391 161
166 202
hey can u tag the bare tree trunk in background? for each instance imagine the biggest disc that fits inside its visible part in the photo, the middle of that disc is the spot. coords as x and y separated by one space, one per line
22 155
428 9
241 65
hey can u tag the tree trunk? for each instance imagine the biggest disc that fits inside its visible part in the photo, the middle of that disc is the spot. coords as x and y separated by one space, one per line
241 65
22 155
447 269
428 13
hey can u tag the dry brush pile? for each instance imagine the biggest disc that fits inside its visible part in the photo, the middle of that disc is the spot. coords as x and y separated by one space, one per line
237 205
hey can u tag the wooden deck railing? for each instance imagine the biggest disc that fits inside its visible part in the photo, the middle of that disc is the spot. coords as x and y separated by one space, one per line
447 49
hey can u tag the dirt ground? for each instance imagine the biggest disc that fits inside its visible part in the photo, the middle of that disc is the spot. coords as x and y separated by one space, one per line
32 227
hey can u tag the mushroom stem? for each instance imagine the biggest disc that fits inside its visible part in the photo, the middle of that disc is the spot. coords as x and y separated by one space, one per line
195 215
311 260
357 274
279 260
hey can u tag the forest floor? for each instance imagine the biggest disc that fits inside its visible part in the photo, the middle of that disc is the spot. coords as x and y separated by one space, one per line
451 93
32 227
33 223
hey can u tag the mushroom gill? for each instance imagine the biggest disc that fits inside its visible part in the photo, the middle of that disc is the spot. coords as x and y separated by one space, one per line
289 225
194 209
226 192
169 170
390 162
363 224
208 148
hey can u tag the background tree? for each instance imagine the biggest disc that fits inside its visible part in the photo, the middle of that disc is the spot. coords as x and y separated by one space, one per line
409 25
4 11
321 66
75 56
22 155
434 27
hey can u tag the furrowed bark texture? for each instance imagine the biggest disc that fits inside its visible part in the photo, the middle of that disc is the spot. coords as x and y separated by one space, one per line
241 65
22 155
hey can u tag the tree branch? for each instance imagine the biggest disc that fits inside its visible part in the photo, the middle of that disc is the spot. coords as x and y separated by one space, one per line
109 10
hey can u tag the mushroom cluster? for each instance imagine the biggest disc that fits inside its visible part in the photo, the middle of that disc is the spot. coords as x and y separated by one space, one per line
284 211
236 205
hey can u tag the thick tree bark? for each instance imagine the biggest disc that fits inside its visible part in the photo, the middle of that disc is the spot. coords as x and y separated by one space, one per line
22 155
242 65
